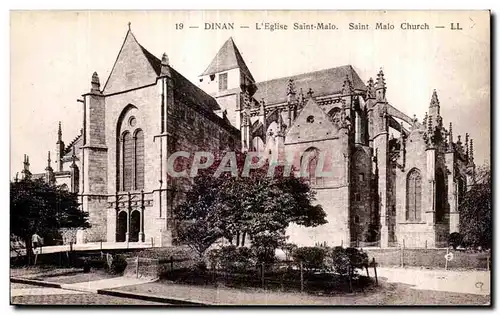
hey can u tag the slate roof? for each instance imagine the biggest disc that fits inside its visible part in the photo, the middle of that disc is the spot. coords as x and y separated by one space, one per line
155 62
228 58
322 82
182 85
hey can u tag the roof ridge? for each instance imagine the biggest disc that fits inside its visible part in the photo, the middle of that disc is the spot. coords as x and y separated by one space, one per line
312 72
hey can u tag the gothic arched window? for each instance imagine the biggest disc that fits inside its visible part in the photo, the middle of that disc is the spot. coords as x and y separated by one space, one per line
309 166
139 159
128 161
413 196
130 151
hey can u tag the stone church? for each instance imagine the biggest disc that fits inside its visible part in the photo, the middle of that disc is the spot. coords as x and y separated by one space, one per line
395 179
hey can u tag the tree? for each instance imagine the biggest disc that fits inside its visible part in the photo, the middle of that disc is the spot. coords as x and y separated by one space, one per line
475 211
36 206
256 205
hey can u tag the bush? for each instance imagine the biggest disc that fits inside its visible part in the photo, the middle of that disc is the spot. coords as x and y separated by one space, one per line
358 258
311 257
341 260
177 252
455 239
86 265
199 266
337 260
118 265
232 258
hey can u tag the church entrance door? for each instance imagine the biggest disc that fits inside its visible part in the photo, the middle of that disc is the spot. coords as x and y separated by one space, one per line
135 221
121 226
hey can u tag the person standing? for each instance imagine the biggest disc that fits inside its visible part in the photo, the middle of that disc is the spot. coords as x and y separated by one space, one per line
36 243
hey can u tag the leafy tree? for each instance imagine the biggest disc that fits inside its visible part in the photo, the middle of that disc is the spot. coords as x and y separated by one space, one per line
233 205
199 235
42 208
475 211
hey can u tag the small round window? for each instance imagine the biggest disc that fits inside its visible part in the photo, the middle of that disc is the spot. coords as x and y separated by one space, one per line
310 119
132 121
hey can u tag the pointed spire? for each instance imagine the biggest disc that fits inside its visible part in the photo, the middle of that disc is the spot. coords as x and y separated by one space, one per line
165 65
26 167
301 97
165 60
380 86
471 156
310 93
459 141
426 117
129 26
434 107
434 99
48 160
347 86
290 91
59 133
95 85
370 92
467 145
26 162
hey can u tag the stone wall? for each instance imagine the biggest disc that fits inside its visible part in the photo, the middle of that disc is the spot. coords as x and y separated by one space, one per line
96 206
414 234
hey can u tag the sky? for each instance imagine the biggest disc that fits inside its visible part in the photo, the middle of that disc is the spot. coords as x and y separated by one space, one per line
54 53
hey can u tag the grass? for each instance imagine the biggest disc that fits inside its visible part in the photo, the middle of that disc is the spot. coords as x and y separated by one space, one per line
80 277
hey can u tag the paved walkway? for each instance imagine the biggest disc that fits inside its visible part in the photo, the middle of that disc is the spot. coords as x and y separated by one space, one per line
467 281
93 286
22 294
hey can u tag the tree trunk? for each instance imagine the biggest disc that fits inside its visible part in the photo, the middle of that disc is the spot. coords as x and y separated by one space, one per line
29 252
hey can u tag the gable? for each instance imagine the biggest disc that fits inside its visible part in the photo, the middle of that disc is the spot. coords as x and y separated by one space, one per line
132 67
312 124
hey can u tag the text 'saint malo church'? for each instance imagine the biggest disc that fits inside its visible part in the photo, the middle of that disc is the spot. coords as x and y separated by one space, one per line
385 188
